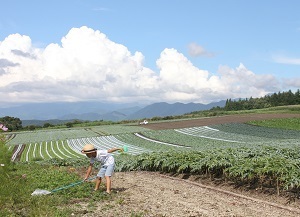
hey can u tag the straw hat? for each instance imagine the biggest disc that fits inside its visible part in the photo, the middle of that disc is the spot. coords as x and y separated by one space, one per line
88 148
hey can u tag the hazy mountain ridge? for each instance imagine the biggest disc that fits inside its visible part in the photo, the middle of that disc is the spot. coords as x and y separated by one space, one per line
62 110
163 109
38 114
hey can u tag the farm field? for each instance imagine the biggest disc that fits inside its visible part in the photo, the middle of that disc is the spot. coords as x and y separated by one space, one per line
139 193
66 144
207 121
157 195
70 133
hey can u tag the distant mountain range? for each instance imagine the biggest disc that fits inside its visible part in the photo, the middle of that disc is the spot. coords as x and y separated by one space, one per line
55 113
163 109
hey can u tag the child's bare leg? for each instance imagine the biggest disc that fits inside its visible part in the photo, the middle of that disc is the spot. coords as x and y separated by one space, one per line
108 184
98 182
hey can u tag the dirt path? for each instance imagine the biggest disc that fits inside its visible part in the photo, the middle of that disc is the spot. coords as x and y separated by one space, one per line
153 194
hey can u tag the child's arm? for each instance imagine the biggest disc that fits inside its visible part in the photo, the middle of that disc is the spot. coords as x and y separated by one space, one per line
88 172
114 149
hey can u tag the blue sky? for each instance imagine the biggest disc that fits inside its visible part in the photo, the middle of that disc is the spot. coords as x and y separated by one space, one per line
147 51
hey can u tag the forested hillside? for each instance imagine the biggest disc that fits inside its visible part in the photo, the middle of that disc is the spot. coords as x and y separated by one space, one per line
276 99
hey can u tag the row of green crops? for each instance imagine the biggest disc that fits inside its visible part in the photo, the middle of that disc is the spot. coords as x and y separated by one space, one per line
48 150
50 135
259 131
150 145
72 133
260 167
117 129
193 141
227 135
72 147
196 138
105 142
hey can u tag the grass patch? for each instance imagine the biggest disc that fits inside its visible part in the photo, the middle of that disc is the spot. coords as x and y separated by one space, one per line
285 123
19 180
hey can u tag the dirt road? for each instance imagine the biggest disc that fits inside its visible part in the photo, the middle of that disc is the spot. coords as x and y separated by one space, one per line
153 194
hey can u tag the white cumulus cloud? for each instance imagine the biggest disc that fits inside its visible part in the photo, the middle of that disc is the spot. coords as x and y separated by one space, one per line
87 66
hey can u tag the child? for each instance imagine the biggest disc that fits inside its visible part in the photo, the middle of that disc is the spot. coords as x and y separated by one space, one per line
107 164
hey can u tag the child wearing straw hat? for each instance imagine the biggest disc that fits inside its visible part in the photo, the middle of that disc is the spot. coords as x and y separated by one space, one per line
107 164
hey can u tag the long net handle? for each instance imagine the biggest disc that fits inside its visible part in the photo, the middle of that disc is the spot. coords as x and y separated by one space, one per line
72 184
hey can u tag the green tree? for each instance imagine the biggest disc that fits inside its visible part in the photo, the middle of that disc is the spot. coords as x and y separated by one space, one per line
46 125
297 97
69 124
12 123
31 127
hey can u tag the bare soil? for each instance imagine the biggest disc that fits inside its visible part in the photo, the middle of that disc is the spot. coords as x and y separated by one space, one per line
154 194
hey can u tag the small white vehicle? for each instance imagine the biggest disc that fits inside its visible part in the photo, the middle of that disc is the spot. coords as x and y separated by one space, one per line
144 122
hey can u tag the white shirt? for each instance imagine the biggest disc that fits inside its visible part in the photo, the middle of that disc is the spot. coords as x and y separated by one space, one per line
104 157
